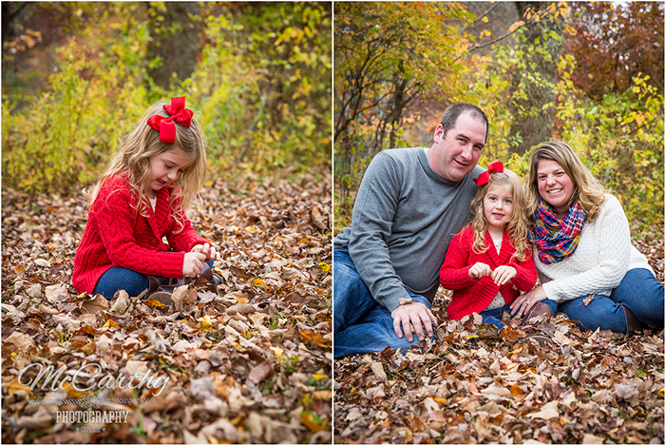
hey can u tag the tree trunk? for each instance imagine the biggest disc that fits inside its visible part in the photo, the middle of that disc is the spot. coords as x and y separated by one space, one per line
178 49
532 86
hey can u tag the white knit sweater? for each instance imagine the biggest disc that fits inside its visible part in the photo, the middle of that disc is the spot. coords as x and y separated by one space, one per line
604 255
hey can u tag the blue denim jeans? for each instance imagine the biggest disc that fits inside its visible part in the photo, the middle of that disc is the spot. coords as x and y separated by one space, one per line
494 315
361 324
117 278
639 291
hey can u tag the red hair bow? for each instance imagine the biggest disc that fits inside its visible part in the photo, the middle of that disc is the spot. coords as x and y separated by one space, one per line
166 125
484 177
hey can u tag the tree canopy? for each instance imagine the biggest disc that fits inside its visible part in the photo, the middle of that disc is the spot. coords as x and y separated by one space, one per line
77 75
586 73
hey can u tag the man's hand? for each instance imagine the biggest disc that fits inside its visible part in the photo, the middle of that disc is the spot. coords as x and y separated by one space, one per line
416 314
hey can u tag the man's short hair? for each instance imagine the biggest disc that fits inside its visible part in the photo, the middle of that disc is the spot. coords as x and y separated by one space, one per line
450 116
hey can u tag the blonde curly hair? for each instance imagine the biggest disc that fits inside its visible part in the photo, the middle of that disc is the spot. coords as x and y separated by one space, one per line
587 191
132 160
517 225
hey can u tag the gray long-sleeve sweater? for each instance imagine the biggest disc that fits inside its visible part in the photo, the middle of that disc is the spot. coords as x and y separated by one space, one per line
403 219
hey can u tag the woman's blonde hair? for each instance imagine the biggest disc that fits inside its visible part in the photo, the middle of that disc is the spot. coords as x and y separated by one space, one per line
517 225
587 190
132 160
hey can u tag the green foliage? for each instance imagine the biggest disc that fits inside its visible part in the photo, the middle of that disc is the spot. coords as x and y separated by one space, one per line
619 136
386 55
261 90
61 136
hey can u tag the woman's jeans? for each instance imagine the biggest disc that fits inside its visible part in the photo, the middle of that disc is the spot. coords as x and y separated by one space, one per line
639 291
361 324
117 278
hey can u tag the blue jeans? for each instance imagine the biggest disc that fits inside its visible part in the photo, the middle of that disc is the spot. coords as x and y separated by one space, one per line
361 324
639 291
117 278
494 315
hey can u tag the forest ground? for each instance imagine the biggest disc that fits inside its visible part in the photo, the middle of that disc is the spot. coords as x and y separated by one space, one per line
248 362
475 385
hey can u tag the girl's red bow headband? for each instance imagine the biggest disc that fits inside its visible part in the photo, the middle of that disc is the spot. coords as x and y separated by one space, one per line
166 125
484 177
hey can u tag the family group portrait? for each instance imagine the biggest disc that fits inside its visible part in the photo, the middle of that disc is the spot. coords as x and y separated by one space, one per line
333 222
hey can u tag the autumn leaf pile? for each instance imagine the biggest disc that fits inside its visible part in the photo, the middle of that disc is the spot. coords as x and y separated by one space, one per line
479 385
249 361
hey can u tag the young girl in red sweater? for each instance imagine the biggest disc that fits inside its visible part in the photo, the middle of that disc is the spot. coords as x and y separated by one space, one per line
140 199
489 262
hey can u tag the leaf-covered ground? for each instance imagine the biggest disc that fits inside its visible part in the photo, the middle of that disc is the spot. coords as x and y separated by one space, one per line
249 361
479 386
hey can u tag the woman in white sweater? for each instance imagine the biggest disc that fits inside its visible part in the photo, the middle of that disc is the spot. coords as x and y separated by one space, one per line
582 249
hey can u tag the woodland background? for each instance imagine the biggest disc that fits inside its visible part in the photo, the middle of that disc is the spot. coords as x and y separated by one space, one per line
249 360
589 73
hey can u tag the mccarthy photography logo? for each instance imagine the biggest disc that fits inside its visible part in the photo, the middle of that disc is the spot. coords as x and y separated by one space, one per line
62 379
87 378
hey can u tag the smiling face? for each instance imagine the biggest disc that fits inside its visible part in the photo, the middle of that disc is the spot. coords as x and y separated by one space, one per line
554 185
165 168
498 207
454 156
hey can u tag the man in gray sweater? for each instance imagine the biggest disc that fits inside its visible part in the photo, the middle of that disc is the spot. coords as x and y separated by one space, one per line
410 204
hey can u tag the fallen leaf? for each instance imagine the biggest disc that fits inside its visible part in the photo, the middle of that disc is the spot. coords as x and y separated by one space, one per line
18 341
94 305
548 411
260 372
310 422
178 297
121 302
588 299
206 323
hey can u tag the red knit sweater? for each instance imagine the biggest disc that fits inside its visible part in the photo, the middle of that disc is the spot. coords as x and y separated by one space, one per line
116 235
471 295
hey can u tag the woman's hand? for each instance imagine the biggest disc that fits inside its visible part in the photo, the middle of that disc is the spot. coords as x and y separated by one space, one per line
209 251
523 304
479 270
193 264
503 274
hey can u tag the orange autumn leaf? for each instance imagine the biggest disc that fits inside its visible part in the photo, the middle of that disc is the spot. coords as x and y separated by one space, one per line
510 334
310 422
14 386
155 304
306 335
71 391
113 324
515 390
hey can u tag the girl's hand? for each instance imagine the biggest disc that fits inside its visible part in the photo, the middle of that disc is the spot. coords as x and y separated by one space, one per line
523 304
479 270
192 264
503 274
209 251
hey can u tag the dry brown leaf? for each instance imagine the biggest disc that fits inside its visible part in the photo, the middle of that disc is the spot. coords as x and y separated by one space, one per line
260 372
121 302
19 342
94 305
178 297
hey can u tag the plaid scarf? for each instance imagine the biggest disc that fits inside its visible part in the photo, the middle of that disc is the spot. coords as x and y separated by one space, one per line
556 239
